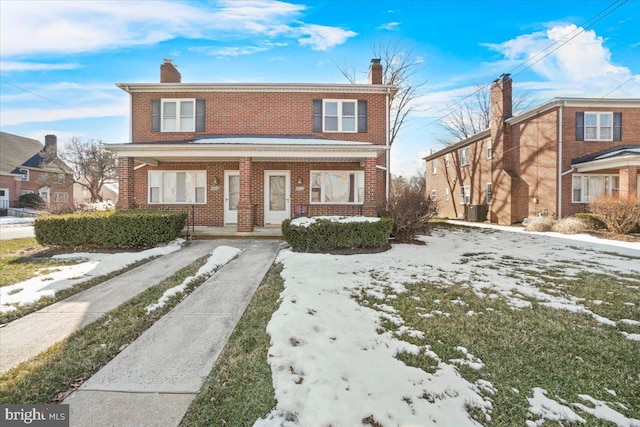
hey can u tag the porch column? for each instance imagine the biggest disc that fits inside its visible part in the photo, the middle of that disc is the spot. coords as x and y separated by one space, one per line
628 181
245 206
126 183
370 206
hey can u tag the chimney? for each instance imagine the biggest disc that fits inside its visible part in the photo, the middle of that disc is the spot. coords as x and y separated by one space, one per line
375 72
50 144
501 98
169 73
501 110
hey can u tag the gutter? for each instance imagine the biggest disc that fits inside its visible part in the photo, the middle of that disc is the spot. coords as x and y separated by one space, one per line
388 147
560 173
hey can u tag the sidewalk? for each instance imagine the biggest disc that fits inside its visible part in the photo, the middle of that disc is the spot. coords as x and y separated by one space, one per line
154 380
30 335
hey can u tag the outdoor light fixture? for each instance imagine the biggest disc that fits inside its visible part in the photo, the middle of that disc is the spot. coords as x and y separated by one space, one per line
299 181
216 180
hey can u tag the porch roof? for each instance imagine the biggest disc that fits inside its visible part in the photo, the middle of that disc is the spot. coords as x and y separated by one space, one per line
265 148
613 158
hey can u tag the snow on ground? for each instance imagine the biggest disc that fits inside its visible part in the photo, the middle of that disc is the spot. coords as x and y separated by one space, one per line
330 366
65 276
15 220
219 257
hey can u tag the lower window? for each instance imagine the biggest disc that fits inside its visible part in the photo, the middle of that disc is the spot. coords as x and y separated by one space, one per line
465 194
586 188
337 187
59 197
177 186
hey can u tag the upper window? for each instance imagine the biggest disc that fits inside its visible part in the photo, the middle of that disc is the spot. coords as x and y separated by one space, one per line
446 194
434 167
337 187
586 188
178 115
598 126
464 156
177 186
489 150
446 160
25 174
340 115
434 195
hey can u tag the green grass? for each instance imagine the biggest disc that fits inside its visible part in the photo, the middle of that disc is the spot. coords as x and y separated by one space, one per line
16 265
565 353
64 367
239 389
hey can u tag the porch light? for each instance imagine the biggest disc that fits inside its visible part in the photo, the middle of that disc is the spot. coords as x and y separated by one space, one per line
299 181
216 180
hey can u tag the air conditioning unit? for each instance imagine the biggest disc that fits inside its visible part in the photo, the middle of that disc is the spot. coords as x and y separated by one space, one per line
478 213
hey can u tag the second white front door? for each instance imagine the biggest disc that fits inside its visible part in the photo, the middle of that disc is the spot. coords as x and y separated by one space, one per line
231 196
277 196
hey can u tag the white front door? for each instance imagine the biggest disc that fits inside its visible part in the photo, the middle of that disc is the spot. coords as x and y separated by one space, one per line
231 196
4 198
277 196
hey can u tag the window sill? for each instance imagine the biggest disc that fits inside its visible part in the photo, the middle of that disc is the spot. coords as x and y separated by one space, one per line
176 203
336 203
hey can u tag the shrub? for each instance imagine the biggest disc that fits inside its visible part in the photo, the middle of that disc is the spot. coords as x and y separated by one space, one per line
591 220
542 223
570 225
109 229
31 201
409 208
325 234
619 214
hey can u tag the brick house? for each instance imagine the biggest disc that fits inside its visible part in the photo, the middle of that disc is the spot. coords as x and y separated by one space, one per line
255 154
550 160
28 167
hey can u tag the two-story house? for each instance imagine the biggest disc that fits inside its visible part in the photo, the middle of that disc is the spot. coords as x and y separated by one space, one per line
28 167
256 154
550 160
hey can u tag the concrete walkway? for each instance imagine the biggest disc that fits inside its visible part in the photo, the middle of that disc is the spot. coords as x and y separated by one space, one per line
154 380
30 335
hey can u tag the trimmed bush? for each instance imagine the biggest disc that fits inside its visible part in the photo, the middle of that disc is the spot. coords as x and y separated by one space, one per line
543 223
619 214
31 201
570 225
592 221
324 235
110 229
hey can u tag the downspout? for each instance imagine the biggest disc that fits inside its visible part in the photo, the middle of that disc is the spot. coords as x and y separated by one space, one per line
560 163
130 115
388 151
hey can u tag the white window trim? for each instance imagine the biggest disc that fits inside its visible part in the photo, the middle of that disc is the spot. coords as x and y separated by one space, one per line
446 160
161 188
583 178
468 150
178 102
489 150
322 190
434 167
598 126
340 116
489 190
434 195
57 195
25 174
465 193
446 194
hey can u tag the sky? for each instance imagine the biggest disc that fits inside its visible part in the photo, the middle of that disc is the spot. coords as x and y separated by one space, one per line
60 60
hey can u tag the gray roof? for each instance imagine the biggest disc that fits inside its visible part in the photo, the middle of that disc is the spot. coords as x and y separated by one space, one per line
16 150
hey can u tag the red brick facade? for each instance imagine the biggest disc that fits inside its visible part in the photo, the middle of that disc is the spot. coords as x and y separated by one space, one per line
531 154
260 113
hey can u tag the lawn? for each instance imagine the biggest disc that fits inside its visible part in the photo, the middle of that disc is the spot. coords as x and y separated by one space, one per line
477 327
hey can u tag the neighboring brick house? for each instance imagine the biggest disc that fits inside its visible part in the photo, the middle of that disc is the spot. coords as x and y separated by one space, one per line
550 160
28 167
255 154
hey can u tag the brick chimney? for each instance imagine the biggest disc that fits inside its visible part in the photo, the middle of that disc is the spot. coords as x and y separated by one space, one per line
50 143
169 73
501 110
375 72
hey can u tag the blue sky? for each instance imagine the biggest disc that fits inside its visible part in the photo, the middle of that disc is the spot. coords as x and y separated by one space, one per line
60 60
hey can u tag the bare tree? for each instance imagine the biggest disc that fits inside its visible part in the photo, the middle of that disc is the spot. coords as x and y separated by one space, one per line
92 164
400 66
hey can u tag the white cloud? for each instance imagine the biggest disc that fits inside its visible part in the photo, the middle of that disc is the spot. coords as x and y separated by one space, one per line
321 37
233 51
389 26
68 27
35 66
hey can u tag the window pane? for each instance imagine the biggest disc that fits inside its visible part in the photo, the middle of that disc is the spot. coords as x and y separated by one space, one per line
199 194
201 179
154 195
360 178
348 124
234 192
596 187
606 133
590 119
154 179
336 188
181 188
277 193
169 109
331 109
605 119
169 187
169 124
186 124
186 109
315 195
348 108
590 133
331 123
